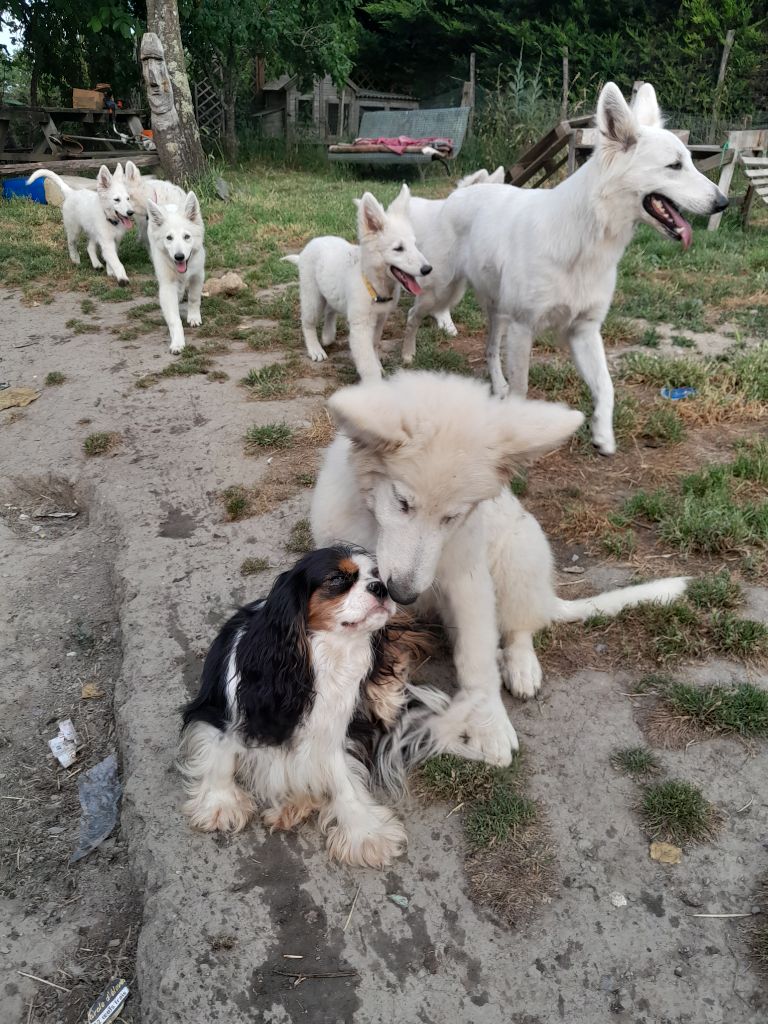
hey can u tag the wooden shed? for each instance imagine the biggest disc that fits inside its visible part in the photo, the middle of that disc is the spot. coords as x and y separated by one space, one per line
326 113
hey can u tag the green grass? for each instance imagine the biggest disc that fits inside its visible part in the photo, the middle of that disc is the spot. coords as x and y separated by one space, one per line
676 812
271 381
493 806
741 710
681 342
88 306
435 353
711 512
100 443
740 638
650 338
718 590
519 484
663 426
619 543
271 435
635 761
236 502
81 327
300 539
54 378
251 566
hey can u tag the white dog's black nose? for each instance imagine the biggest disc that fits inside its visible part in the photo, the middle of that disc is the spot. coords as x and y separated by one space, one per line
377 588
400 595
179 257
720 203
426 269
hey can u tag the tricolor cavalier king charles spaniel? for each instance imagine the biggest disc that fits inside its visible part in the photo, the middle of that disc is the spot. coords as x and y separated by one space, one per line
303 696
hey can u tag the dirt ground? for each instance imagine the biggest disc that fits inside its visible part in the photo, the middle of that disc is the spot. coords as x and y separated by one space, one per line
127 596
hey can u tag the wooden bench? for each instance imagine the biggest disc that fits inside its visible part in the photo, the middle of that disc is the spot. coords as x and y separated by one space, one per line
756 169
441 123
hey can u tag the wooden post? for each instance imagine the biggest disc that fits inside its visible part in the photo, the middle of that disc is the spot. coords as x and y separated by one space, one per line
729 37
566 86
471 96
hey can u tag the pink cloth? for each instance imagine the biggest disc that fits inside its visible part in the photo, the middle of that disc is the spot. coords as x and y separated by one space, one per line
401 143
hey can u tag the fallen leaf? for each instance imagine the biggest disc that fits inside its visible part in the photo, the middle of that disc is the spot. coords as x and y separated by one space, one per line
666 853
17 396
91 691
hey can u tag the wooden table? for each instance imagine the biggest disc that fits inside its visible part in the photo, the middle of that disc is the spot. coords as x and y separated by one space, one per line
94 128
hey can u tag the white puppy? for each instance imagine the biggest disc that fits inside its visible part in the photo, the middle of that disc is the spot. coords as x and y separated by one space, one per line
176 235
102 216
362 282
142 187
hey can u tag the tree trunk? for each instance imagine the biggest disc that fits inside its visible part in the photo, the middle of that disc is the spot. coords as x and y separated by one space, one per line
178 144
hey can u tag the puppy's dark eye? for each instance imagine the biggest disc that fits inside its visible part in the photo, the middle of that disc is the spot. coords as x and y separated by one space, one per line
399 248
169 238
676 166
186 238
404 506
446 520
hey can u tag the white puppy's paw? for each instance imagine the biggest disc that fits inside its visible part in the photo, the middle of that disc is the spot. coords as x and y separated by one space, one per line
374 841
520 671
476 729
177 346
604 441
318 355
194 319
446 325
225 810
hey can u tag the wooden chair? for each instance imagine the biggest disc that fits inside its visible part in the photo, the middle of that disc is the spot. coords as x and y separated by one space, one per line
756 170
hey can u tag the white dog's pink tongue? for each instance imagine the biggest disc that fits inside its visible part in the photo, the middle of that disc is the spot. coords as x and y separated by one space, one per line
125 221
181 266
684 229
408 282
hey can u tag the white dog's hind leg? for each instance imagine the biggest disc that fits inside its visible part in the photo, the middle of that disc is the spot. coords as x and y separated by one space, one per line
417 312
114 267
169 303
208 764
194 316
588 354
72 229
312 308
519 345
498 325
93 253
362 339
359 831
329 327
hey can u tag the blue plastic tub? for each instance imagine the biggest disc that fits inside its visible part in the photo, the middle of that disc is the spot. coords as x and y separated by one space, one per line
18 187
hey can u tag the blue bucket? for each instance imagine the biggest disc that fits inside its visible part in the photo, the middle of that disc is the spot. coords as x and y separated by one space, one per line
18 187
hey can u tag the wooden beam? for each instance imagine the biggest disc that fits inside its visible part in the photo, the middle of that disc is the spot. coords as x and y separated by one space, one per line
139 157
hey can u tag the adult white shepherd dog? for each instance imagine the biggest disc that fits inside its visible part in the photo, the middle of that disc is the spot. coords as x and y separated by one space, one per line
419 473
547 258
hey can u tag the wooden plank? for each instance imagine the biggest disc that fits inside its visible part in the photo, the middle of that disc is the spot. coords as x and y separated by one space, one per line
139 157
525 173
544 145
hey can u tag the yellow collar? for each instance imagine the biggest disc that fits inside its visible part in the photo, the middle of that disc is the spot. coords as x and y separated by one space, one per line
373 293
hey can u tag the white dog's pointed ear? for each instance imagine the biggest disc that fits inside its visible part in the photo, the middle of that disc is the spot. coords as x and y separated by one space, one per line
401 201
645 107
369 417
615 120
475 178
155 213
192 209
371 217
525 428
103 178
498 176
132 172
119 173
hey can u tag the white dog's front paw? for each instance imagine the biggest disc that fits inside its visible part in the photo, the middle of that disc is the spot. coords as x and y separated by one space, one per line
604 441
520 670
374 841
177 346
317 355
194 319
447 326
480 731
225 810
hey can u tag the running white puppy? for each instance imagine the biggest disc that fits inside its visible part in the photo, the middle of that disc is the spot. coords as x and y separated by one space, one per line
420 474
142 187
362 282
547 258
103 216
176 235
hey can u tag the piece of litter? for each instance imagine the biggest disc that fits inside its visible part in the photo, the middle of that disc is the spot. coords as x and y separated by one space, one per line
574 570
109 1004
64 745
71 654
665 853
398 900
618 899
55 515
99 791
675 394
91 691
17 397
292 956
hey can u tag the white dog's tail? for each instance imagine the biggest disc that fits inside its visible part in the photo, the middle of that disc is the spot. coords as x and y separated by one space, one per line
613 601
290 259
65 188
410 741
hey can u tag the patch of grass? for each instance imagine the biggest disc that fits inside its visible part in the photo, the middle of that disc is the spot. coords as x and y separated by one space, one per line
676 812
81 327
619 544
218 375
271 381
742 710
251 566
679 341
663 426
54 378
558 380
271 435
663 371
741 638
635 761
717 590
300 539
191 360
650 338
88 306
236 502
519 484
100 443
674 631
433 353
306 479
492 803
751 462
